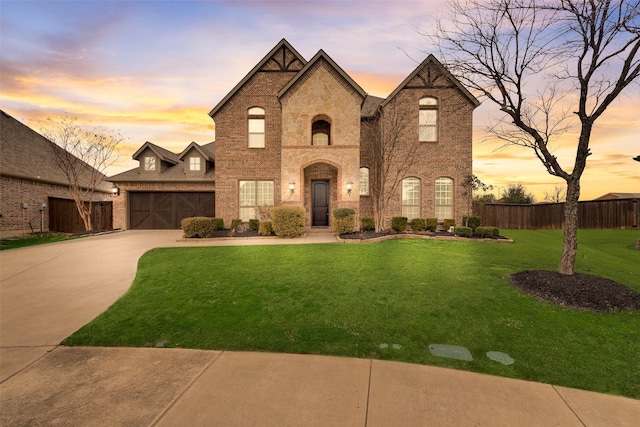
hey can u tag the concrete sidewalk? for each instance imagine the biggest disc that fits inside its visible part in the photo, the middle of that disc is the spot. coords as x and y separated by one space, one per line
49 291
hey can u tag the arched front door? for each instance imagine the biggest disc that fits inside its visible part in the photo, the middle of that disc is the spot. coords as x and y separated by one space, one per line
320 203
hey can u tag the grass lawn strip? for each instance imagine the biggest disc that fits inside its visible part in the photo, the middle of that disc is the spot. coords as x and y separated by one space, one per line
346 300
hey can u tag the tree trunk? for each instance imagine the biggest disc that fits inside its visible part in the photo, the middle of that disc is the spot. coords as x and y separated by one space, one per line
570 248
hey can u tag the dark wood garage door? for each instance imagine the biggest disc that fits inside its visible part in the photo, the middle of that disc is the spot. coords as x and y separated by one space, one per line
166 210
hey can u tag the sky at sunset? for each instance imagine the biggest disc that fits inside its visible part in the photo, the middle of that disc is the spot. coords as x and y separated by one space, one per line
154 69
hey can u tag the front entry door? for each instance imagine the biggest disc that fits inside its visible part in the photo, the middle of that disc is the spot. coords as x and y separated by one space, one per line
320 204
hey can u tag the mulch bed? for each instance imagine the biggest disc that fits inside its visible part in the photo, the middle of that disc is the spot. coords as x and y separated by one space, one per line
371 234
582 291
234 233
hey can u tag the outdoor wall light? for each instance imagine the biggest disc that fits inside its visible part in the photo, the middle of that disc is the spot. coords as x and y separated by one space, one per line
349 187
292 186
115 191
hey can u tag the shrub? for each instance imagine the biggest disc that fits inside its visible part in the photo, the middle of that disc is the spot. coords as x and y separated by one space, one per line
344 220
418 224
431 224
368 224
198 226
447 223
474 221
236 224
254 224
265 228
462 231
399 223
487 231
218 223
288 221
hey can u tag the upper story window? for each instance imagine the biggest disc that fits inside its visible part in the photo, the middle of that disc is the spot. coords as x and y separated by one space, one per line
256 127
320 132
194 164
364 181
428 120
444 198
149 163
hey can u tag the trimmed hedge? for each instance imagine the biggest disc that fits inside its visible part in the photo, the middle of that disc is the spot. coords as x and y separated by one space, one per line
463 231
265 228
399 223
487 232
474 221
448 223
418 224
198 226
431 224
288 221
254 224
235 224
368 224
218 223
344 220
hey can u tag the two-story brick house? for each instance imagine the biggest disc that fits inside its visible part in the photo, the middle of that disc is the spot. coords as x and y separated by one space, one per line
291 133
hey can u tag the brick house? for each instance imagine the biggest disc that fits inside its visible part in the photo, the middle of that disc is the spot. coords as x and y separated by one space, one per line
291 133
34 192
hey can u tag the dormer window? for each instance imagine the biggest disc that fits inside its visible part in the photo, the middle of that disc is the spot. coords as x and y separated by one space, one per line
320 132
149 163
194 164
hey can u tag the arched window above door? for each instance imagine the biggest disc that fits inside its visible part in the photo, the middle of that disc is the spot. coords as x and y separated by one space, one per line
320 131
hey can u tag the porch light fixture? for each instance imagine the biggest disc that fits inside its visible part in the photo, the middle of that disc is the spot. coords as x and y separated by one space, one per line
115 191
349 187
292 186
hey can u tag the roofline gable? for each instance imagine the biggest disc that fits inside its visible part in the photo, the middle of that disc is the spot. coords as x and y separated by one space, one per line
432 59
318 56
199 149
254 70
158 151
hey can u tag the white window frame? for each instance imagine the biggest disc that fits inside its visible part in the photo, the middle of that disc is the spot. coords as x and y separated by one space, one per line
364 181
256 127
444 198
150 163
428 119
195 164
411 198
253 194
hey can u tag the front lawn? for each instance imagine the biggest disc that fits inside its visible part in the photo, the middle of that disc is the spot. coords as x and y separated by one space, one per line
347 300
32 240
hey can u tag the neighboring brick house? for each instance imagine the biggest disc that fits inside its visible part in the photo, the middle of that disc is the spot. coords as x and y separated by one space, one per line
34 192
290 133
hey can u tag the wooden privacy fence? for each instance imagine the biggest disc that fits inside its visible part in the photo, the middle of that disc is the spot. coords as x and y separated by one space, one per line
64 216
592 214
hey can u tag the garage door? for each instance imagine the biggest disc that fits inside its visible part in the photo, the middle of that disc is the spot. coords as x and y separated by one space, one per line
166 210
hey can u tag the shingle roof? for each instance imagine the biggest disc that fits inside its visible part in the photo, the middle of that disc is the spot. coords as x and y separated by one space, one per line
26 154
176 170
370 106
617 196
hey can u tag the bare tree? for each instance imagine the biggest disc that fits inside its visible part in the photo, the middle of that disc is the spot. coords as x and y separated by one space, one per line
392 156
557 195
471 185
82 154
538 61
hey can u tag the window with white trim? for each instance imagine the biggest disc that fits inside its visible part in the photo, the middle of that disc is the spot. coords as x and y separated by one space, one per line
364 181
411 198
256 126
252 195
444 198
428 120
194 164
150 163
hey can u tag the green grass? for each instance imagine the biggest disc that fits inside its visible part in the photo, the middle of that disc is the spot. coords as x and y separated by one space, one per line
38 239
341 299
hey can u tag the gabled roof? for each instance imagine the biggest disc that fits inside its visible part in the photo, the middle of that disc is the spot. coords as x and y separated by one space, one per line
618 196
26 154
282 44
431 60
163 154
321 55
370 106
208 155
